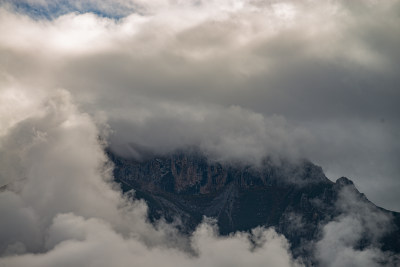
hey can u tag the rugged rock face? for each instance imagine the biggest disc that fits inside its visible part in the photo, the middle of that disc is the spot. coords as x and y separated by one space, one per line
296 199
193 174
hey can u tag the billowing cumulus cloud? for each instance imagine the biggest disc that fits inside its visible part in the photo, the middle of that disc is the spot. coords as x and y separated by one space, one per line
60 207
237 79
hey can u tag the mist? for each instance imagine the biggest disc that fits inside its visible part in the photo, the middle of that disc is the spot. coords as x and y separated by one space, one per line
240 80
61 207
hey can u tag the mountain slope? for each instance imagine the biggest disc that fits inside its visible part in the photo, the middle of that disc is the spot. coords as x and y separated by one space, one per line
295 198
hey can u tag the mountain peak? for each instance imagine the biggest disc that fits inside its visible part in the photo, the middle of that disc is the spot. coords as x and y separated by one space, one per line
344 181
194 173
294 198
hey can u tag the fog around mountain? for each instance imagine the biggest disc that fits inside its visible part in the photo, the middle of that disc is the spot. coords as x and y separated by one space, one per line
240 80
61 208
315 79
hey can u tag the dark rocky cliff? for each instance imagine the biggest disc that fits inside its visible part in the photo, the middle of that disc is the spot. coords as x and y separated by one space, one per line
294 198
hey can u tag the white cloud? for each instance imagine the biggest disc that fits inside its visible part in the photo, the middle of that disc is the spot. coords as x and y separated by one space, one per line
89 242
61 209
341 243
327 68
239 79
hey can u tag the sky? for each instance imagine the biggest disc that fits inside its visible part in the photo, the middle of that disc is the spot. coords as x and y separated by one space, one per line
239 79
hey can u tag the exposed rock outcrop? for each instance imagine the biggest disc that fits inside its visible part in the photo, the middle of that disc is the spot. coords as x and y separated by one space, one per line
295 198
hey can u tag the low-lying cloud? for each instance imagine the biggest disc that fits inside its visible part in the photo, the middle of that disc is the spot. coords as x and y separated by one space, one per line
61 208
238 79
343 239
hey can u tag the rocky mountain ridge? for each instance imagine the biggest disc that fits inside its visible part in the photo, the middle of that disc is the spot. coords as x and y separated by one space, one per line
295 198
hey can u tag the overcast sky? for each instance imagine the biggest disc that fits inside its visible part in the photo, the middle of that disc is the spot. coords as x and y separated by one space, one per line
316 79
239 79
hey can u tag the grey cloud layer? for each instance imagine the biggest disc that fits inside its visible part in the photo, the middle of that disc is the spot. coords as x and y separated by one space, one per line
239 79
329 69
60 208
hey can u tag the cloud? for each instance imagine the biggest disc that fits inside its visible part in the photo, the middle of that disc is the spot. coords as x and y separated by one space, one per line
328 71
94 242
239 79
55 162
343 239
21 231
223 134
61 207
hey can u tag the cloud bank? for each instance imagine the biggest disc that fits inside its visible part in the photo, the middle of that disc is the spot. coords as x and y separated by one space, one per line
60 207
239 79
